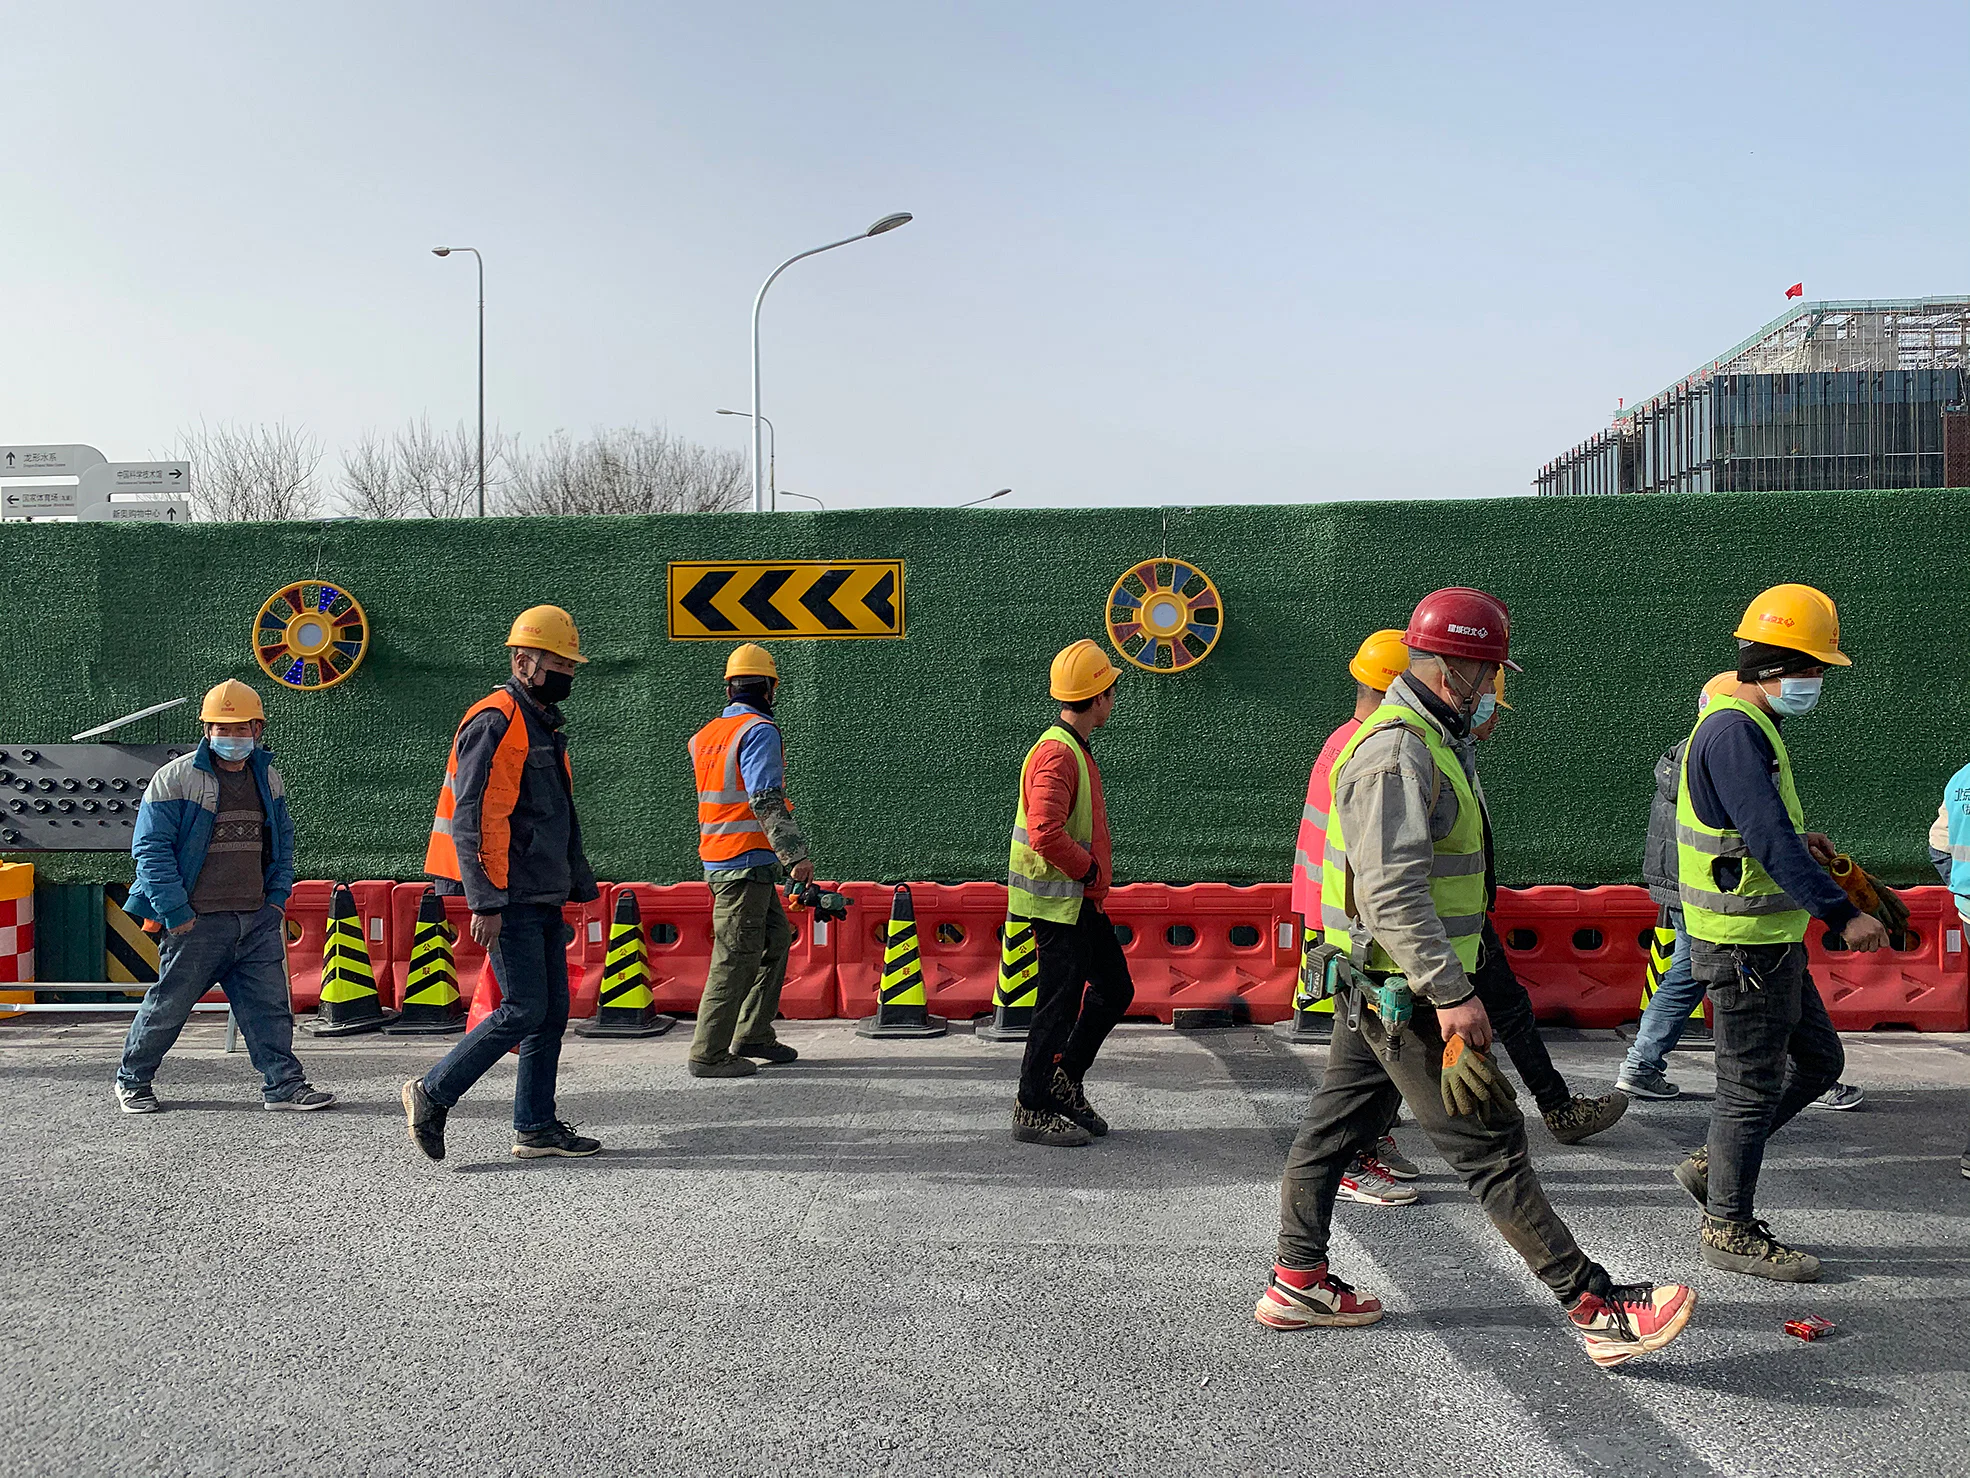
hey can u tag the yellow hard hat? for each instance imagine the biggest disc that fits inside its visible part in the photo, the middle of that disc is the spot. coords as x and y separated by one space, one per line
1380 660
547 629
1798 618
751 660
1718 686
1081 671
231 703
1498 687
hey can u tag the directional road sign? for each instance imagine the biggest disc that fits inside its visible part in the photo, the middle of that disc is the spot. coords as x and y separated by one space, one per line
47 461
149 510
18 502
806 600
100 481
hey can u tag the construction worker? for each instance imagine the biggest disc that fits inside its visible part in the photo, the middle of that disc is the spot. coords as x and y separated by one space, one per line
1403 891
1060 870
1752 878
1949 849
214 849
1645 1070
746 835
507 839
1378 1175
1570 1116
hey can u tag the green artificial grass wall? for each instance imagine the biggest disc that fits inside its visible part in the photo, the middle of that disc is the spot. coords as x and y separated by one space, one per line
903 755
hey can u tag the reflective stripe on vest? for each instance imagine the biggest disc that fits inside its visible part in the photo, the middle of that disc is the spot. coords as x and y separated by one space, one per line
1035 888
727 828
1757 910
496 805
1456 869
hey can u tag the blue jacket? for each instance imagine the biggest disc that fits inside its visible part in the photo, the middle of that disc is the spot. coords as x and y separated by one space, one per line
1956 800
174 827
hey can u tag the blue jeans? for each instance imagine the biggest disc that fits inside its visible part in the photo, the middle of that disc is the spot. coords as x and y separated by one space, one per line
1668 1013
530 963
242 954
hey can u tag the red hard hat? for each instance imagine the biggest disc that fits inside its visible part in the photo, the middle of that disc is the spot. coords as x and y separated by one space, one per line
1461 622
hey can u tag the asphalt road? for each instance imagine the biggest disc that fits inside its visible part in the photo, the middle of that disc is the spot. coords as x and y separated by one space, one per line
845 1266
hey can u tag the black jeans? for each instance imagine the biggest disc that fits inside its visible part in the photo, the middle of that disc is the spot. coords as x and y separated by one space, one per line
1358 1093
1776 1052
1070 1023
530 962
1510 1010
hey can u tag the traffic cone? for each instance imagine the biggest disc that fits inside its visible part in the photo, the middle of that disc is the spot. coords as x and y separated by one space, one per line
432 1005
1018 990
901 1009
627 1009
1662 954
1311 1021
349 1003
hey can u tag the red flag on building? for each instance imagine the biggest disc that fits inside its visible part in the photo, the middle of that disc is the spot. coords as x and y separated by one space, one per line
1797 290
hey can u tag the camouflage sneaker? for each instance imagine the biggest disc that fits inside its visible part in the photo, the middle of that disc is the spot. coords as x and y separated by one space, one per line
1750 1247
1581 1117
1693 1175
1073 1101
1043 1126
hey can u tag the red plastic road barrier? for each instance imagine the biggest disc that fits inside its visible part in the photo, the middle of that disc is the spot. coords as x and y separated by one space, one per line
307 929
958 941
677 935
1580 953
466 957
1208 944
1925 984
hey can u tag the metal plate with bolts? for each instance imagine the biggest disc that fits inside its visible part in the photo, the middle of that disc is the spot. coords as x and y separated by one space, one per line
75 797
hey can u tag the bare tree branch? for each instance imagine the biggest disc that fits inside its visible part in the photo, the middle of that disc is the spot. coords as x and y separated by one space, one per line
624 470
243 473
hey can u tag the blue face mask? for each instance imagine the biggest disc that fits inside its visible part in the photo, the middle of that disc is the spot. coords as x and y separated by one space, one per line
232 749
1486 706
1796 695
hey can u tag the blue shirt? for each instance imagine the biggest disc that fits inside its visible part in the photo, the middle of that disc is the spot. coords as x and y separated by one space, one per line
762 766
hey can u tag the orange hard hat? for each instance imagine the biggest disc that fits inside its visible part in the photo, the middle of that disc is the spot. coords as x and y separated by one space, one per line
1719 686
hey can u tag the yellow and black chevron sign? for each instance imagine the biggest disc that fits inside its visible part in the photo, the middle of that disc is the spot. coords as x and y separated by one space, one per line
806 600
129 954
1019 967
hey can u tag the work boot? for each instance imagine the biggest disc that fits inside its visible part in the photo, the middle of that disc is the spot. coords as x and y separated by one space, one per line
768 1051
1693 1175
1044 1126
557 1139
1392 1160
142 1099
1313 1298
425 1117
1581 1117
1073 1101
1619 1321
727 1067
1366 1182
1644 1082
1750 1247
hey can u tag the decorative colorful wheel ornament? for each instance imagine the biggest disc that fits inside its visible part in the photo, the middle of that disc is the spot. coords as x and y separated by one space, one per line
1165 615
310 635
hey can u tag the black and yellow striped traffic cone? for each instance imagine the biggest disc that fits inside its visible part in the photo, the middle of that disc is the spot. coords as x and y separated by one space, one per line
626 1007
129 954
1312 1020
349 1003
1018 990
901 1008
1662 955
432 1006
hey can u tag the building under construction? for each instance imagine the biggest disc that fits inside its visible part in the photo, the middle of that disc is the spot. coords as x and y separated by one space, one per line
1832 395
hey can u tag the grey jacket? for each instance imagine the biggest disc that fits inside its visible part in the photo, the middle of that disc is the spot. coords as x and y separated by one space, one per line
1659 863
1384 801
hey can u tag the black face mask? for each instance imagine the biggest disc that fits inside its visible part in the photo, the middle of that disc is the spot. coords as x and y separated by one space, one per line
550 686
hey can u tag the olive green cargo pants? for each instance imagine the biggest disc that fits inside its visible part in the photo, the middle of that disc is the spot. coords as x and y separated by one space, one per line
750 938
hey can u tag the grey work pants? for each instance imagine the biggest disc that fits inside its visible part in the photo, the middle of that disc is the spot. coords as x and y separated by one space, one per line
750 937
1355 1100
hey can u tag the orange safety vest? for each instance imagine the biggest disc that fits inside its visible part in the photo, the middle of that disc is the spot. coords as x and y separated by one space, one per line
502 794
727 828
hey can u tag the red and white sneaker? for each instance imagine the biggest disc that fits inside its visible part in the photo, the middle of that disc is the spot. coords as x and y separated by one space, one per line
1621 1321
1313 1298
1368 1182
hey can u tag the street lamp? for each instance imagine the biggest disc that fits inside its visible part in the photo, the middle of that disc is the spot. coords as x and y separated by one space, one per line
772 456
445 251
989 497
887 223
809 497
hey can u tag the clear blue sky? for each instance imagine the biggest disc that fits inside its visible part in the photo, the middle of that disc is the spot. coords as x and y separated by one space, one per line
1162 254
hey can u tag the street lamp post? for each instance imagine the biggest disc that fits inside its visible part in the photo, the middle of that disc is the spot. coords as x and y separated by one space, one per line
988 498
445 251
887 223
808 497
772 458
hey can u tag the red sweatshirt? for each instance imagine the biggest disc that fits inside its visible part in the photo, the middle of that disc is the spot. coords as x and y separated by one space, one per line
1049 793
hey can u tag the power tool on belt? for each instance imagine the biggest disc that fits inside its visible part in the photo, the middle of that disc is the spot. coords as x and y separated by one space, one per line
828 906
1327 970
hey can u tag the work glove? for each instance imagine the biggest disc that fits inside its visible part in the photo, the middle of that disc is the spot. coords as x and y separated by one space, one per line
1092 876
1867 895
1470 1084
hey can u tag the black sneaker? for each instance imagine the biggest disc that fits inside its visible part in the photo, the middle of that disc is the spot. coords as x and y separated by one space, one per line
141 1100
304 1099
1073 1101
1750 1247
767 1051
557 1139
1043 1126
426 1119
